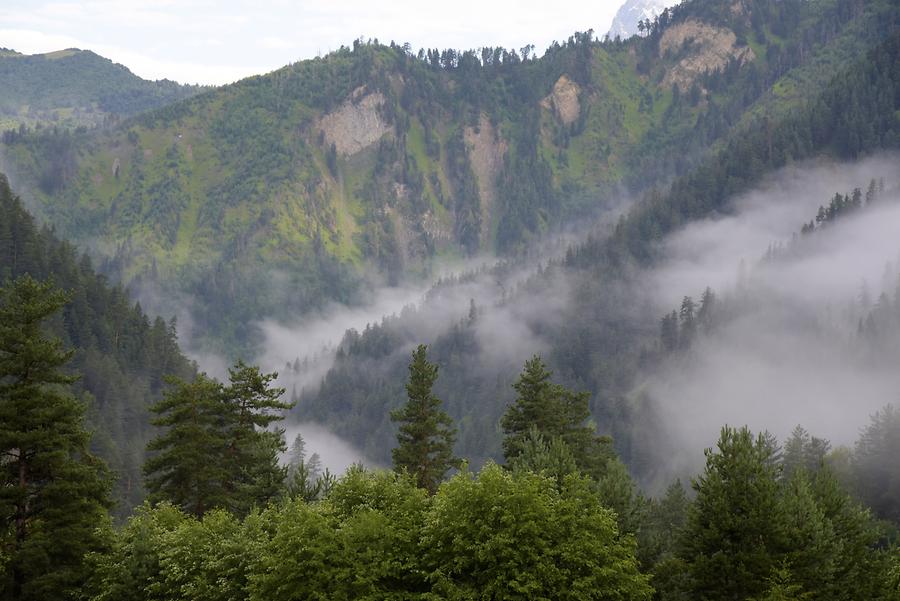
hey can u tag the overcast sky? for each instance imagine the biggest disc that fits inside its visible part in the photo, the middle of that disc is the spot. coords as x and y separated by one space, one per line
218 41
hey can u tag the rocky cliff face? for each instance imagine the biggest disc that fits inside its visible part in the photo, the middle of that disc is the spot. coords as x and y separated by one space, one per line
699 48
357 124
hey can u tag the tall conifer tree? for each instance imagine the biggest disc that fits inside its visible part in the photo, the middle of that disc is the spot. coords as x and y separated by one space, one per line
553 411
427 434
187 466
217 450
53 491
736 529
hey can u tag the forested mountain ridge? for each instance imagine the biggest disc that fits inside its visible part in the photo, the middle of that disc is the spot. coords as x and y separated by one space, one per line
73 87
597 337
590 472
373 157
120 355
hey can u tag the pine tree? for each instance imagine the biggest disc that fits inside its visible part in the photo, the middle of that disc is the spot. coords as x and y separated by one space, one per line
53 492
253 405
875 465
803 452
188 467
217 450
305 479
736 529
426 435
669 331
555 412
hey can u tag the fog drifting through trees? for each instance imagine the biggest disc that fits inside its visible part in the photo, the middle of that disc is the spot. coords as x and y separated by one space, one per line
793 355
791 358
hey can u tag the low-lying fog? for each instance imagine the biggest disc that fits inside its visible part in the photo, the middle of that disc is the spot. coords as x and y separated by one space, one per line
793 357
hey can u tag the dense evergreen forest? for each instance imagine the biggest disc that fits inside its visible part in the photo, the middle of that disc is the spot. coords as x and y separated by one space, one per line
120 356
526 413
599 340
561 518
76 88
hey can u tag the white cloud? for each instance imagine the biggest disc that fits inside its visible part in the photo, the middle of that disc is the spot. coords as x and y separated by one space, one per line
30 41
274 42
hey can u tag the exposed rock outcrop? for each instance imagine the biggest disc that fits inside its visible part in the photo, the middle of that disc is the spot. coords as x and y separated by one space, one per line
486 152
705 48
356 124
563 100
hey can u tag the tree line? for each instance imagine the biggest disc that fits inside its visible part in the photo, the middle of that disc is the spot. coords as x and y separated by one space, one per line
561 518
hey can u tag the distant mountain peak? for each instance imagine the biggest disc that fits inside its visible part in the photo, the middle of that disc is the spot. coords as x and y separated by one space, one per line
625 22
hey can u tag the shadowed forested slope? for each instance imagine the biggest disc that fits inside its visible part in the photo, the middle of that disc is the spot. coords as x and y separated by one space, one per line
120 354
598 336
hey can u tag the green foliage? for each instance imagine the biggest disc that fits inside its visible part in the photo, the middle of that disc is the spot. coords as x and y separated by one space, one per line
804 452
781 587
162 553
504 535
379 536
877 473
77 87
305 480
186 464
208 196
553 411
426 435
735 529
120 355
550 458
746 528
53 492
216 450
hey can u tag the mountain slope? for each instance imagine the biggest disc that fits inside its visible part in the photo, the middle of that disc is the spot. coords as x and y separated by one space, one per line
76 87
271 197
592 315
625 23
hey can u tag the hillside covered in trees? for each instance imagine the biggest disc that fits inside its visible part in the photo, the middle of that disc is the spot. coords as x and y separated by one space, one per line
591 311
378 158
121 356
691 395
76 88
560 519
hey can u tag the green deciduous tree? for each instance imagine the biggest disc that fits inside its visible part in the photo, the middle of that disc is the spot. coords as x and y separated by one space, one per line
360 543
163 553
426 435
53 491
516 535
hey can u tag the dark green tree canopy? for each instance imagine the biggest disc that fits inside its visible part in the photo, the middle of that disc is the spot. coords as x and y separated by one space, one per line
426 434
550 410
216 450
54 493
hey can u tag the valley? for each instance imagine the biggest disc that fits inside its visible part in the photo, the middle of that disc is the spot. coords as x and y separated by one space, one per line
482 323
